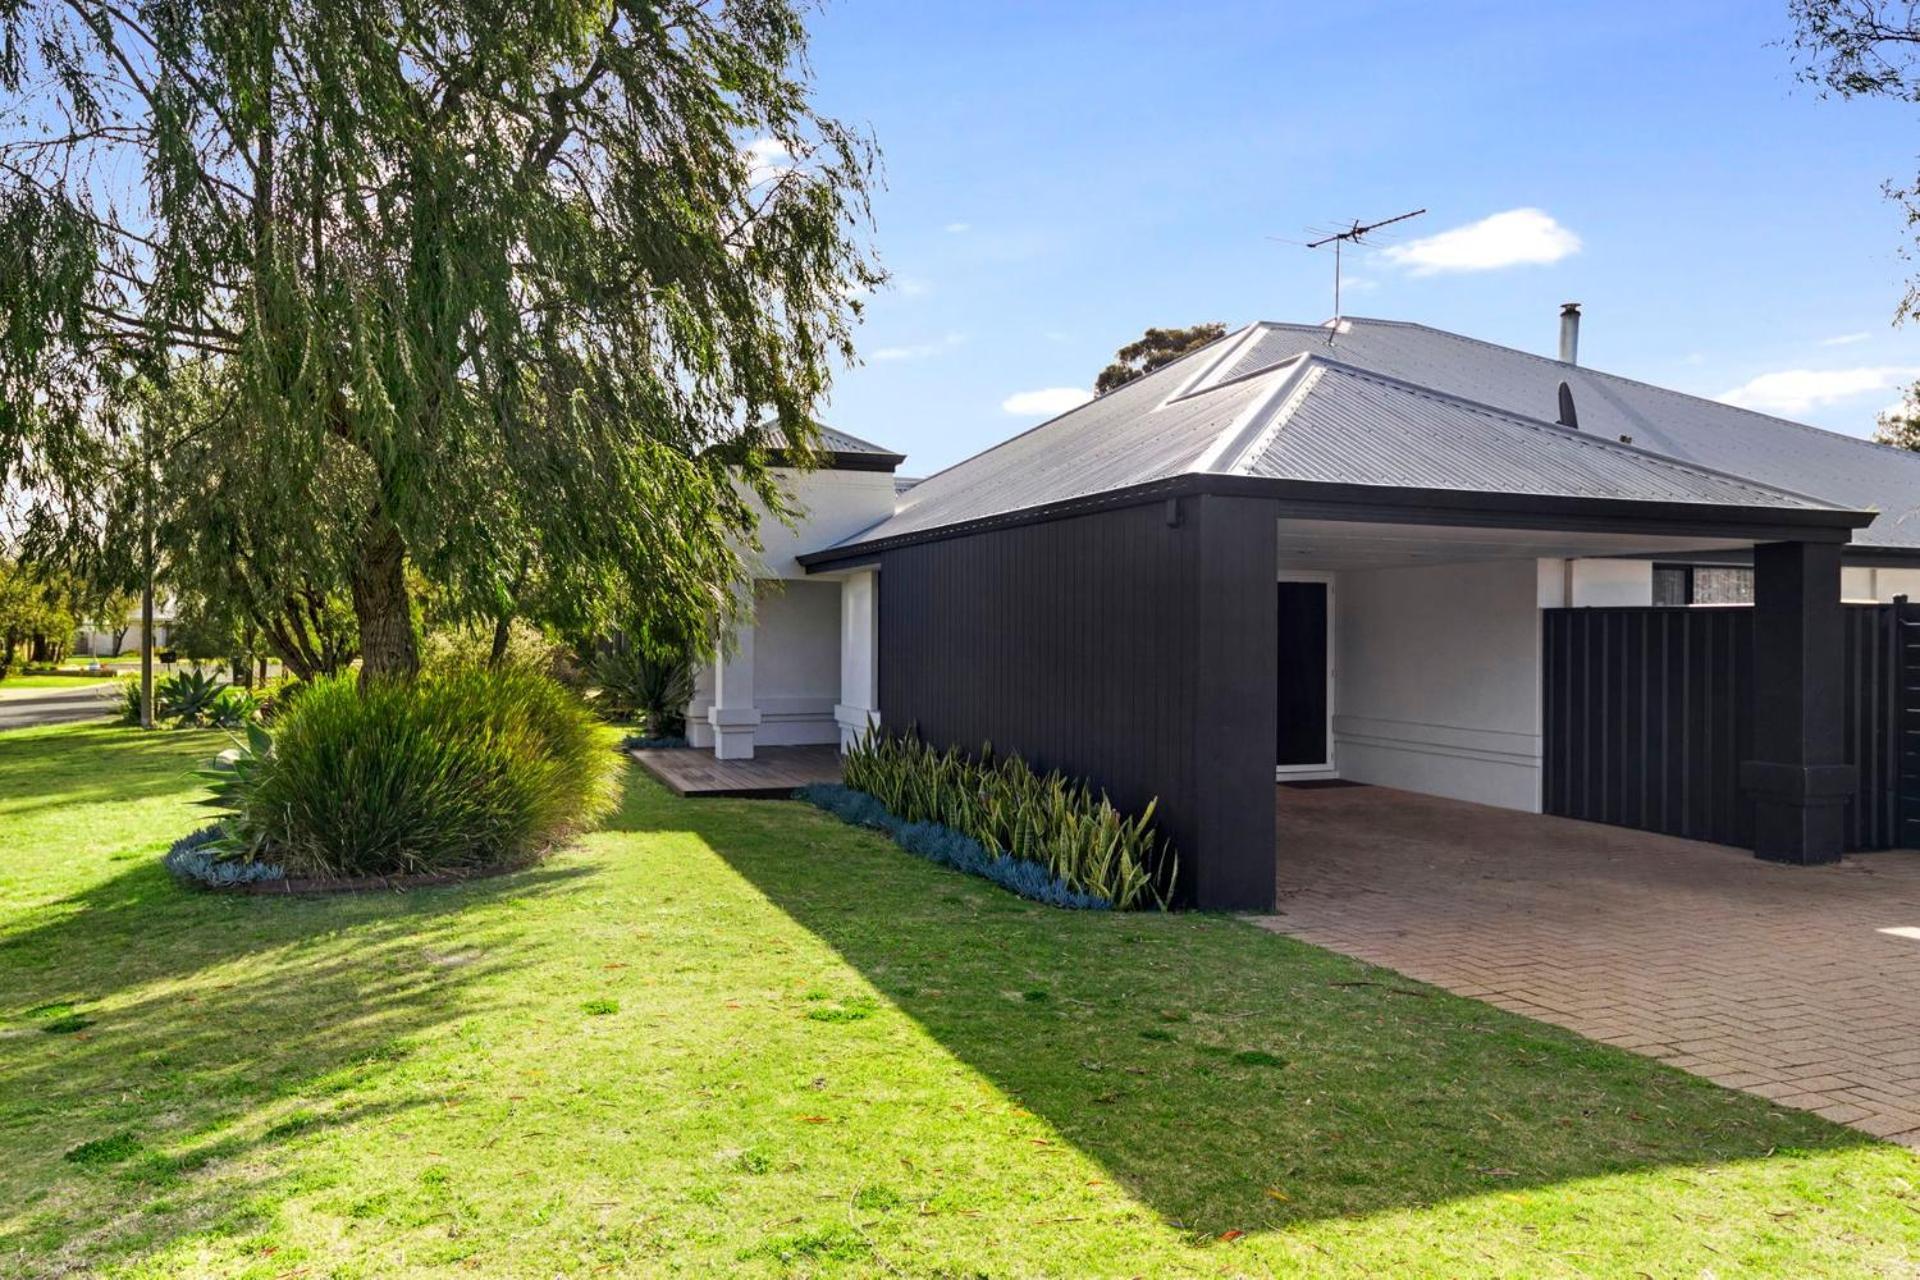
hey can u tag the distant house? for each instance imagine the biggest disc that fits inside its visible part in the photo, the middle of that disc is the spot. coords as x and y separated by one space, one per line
108 637
1372 551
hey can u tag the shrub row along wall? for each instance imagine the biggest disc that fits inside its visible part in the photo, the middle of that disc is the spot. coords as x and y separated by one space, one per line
1649 712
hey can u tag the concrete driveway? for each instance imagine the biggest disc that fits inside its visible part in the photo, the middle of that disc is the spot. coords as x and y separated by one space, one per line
1801 984
20 708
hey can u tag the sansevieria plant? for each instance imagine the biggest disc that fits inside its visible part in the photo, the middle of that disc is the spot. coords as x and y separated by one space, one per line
1059 823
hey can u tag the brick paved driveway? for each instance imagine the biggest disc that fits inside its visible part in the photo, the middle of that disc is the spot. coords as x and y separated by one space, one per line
1801 984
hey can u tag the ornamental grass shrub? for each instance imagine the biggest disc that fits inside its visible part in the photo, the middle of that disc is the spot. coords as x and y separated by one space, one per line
460 771
1054 822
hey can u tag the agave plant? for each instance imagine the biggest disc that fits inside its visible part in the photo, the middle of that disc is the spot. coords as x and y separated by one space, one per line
230 777
187 697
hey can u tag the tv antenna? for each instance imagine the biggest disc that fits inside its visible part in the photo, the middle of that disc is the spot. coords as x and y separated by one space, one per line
1354 234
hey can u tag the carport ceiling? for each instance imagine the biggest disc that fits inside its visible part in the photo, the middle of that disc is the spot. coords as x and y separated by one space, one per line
1339 544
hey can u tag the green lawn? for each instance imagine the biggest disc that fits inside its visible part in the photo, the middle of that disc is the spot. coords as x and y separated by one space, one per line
735 1037
55 682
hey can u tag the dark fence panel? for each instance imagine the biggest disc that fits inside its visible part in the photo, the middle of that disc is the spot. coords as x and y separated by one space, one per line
1649 712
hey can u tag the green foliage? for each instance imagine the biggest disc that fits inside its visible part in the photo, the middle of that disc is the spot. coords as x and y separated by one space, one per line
36 604
1049 820
528 648
187 697
126 701
459 771
1155 348
482 292
650 690
1899 426
1866 49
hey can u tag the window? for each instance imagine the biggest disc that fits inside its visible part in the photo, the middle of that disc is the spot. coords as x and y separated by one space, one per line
1679 585
1672 585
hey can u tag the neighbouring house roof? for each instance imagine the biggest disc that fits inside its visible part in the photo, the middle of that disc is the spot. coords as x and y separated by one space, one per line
1266 403
841 451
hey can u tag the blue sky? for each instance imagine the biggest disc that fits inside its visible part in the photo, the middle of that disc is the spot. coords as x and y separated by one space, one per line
1062 175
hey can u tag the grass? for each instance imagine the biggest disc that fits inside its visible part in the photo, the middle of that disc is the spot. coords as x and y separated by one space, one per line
65 680
740 1038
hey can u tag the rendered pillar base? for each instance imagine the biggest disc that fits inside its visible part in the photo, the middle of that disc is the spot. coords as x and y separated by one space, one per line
733 732
1799 811
855 723
699 730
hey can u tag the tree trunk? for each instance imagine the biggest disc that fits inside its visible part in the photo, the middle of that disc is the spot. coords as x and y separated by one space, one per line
502 632
388 649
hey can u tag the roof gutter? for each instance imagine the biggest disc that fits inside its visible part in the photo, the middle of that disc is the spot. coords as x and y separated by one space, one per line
1321 500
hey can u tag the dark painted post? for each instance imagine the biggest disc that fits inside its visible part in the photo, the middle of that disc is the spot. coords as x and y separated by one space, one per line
1799 778
1231 859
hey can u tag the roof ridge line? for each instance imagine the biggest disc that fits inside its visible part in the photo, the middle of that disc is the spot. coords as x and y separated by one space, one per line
1571 433
1251 423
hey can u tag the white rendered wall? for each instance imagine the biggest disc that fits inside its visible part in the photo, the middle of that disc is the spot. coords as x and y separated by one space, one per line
1437 680
794 663
797 672
834 505
1599 584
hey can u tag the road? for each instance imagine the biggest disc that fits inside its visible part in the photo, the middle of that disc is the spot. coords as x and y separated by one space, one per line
20 708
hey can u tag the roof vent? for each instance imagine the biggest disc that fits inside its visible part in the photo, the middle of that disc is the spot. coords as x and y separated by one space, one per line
1569 333
1568 416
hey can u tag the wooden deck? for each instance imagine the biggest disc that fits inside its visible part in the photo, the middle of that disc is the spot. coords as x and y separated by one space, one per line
772 774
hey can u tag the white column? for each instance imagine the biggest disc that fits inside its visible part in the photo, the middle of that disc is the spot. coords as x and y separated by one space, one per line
699 732
733 715
859 705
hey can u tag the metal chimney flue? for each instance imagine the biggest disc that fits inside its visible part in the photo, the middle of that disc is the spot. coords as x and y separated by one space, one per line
1569 333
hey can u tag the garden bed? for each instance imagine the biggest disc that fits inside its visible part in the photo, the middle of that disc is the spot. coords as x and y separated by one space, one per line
204 873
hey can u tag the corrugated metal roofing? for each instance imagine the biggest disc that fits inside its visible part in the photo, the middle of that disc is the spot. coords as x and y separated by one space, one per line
1386 404
832 441
1843 471
1122 439
1355 427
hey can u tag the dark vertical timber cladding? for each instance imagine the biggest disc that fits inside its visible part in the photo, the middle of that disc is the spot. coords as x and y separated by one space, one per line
1107 646
1648 712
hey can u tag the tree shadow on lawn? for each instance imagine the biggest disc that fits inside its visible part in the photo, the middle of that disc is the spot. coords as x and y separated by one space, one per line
202 1032
42 771
1231 1078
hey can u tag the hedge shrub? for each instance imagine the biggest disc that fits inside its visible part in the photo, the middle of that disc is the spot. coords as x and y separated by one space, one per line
1061 825
453 772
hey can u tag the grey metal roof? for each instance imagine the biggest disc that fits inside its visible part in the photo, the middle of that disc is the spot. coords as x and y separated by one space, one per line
1270 402
1843 471
837 443
1351 426
1124 438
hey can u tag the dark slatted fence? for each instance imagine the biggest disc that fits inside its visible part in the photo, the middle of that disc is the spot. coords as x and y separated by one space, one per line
1649 713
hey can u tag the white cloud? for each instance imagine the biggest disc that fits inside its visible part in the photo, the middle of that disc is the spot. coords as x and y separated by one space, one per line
1518 237
958 228
919 350
1798 390
908 287
767 159
1048 402
1845 339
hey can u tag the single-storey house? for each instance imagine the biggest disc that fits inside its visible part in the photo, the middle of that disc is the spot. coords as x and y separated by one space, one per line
1372 551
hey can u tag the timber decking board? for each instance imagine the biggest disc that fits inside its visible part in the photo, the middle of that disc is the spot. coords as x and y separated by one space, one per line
772 774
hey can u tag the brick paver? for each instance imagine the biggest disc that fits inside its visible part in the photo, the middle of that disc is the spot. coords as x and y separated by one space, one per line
1783 981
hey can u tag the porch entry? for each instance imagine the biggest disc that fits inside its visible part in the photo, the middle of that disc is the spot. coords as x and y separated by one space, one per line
1304 739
